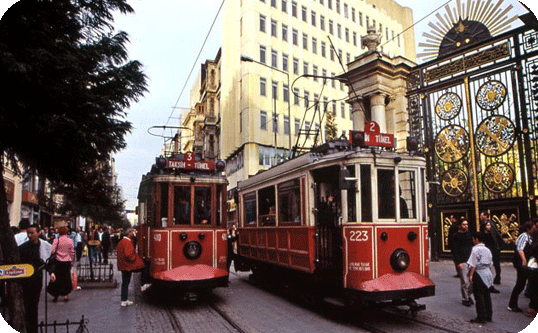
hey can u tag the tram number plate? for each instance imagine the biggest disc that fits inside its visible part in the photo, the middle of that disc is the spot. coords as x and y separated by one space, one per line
359 236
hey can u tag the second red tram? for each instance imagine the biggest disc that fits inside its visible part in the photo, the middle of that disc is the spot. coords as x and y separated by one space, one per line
345 224
182 216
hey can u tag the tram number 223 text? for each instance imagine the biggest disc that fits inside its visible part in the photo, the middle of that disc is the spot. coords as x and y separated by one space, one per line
359 236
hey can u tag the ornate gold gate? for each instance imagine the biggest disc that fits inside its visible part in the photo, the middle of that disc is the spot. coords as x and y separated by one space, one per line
476 112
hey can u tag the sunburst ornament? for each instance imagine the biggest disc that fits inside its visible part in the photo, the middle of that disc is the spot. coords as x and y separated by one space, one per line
467 24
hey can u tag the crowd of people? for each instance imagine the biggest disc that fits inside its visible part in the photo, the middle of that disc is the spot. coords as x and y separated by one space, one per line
477 255
55 251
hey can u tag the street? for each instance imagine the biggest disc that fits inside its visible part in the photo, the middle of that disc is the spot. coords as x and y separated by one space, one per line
247 307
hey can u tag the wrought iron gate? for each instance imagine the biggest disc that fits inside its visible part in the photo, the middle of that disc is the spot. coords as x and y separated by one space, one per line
476 112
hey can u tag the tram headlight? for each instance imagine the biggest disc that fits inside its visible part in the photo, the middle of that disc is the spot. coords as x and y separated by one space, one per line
399 260
192 250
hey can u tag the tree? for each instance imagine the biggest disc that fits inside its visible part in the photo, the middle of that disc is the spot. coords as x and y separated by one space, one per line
69 82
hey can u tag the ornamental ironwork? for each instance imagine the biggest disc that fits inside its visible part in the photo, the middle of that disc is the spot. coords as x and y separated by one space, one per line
491 95
499 177
495 135
448 106
452 143
454 182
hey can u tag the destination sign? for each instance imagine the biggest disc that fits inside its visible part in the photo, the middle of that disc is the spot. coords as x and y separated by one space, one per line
371 137
189 162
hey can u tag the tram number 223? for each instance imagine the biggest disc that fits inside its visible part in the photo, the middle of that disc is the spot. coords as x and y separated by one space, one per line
359 236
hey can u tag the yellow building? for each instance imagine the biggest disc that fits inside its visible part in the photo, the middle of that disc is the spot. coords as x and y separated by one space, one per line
264 105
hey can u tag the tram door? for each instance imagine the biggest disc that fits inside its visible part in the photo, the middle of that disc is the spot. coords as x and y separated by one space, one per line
328 212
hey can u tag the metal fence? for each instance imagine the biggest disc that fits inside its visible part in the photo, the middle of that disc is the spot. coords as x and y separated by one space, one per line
76 326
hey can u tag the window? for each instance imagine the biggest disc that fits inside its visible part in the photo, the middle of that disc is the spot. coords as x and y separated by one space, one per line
182 205
345 10
289 202
366 194
360 19
275 122
331 27
386 194
284 62
305 67
286 93
263 120
337 5
296 96
322 22
262 23
294 9
295 37
354 38
164 204
305 41
273 3
330 4
274 56
202 205
408 194
284 32
263 88
297 125
250 209
332 54
314 45
303 13
339 30
295 66
313 18
287 125
273 28
274 86
262 54
343 110
285 6
353 14
323 49
306 99
315 72
267 206
347 34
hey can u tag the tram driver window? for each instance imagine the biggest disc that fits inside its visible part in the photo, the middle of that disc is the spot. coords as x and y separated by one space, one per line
182 205
164 205
386 194
202 205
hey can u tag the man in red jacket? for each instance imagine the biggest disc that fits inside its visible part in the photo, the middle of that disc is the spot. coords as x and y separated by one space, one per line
128 262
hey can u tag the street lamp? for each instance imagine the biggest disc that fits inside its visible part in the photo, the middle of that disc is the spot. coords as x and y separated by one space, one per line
249 59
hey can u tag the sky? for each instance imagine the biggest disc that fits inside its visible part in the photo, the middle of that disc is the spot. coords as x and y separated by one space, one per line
166 36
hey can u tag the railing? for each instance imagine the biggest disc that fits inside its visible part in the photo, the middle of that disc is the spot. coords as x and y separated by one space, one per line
54 326
95 272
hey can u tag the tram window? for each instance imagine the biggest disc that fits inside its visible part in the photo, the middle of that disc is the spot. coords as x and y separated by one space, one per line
266 200
289 202
408 194
164 205
351 196
202 205
386 194
250 209
182 205
366 193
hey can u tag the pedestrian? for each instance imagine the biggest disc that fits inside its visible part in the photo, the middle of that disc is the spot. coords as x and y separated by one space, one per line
231 237
105 244
31 253
493 242
532 270
63 255
22 236
79 239
462 245
521 255
129 261
454 226
480 263
92 239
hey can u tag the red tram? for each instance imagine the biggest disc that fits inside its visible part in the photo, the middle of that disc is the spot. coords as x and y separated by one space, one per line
182 216
344 224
